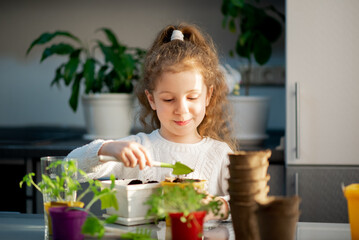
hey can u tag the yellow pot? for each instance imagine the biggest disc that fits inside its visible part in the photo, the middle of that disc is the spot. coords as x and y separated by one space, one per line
201 185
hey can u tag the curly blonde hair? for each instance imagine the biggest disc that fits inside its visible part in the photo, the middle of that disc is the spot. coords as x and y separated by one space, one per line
196 51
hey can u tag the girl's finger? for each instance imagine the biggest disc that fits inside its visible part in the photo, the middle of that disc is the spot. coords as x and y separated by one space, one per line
124 159
141 158
147 158
132 159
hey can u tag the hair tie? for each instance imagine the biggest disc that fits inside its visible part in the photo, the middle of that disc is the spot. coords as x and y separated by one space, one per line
177 35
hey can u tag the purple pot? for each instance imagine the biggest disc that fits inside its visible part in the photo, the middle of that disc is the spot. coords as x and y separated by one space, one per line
67 224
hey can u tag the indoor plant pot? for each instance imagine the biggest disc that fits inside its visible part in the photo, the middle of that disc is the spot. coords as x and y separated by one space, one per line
114 72
67 223
108 116
181 230
250 118
49 205
257 27
65 185
182 203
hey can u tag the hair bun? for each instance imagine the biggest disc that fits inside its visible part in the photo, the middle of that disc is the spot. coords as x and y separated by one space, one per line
177 35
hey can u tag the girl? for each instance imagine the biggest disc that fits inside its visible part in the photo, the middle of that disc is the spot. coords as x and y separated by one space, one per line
183 93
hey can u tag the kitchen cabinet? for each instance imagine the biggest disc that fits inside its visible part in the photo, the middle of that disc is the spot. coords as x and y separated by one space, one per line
322 88
322 105
320 190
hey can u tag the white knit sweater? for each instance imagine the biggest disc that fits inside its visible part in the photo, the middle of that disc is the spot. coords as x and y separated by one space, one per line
208 158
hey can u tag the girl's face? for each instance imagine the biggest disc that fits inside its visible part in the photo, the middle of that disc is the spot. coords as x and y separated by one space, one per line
180 101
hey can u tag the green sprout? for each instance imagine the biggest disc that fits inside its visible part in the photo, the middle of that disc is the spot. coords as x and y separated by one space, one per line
67 185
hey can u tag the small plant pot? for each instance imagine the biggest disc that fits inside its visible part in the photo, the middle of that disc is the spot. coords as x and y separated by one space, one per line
199 184
67 224
249 158
279 205
248 173
244 220
190 230
260 195
271 225
247 186
49 205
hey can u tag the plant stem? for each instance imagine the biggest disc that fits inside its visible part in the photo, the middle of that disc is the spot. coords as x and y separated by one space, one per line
83 194
247 79
95 198
35 185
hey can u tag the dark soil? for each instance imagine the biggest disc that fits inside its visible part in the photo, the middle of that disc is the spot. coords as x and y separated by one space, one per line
152 182
185 180
136 181
133 182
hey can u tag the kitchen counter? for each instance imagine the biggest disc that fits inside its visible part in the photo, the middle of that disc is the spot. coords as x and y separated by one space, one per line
31 226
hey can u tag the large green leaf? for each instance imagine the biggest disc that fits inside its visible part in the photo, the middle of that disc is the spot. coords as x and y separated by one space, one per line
238 3
46 37
93 226
71 66
111 219
229 9
232 25
127 64
100 78
58 75
74 99
107 52
59 49
111 37
89 74
244 45
271 28
262 49
108 200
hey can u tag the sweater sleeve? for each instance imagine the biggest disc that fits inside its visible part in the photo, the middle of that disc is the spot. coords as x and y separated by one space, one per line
87 155
88 161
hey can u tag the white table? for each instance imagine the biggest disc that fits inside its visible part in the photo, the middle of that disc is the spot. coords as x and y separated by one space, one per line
31 226
323 231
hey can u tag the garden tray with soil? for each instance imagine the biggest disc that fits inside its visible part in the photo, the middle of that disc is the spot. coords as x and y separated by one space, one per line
131 196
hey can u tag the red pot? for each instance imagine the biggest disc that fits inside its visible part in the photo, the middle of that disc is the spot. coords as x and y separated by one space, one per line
192 229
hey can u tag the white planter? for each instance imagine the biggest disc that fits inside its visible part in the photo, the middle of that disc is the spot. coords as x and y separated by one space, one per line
131 201
250 118
108 115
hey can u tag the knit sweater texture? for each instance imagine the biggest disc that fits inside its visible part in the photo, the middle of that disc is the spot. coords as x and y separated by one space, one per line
208 158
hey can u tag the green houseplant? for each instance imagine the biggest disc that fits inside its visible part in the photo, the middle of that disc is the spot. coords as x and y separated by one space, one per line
66 184
185 206
107 72
257 27
114 73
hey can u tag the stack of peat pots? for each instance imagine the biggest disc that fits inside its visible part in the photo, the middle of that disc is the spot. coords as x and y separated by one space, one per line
248 183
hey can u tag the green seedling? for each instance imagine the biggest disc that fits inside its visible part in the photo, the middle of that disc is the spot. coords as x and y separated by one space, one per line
65 185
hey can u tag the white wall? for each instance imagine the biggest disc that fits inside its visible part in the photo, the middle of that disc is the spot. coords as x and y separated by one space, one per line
25 94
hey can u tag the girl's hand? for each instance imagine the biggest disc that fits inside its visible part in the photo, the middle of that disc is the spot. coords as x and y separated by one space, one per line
223 213
130 154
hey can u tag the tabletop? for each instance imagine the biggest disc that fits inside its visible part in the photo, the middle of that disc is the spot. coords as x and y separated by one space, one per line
16 226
